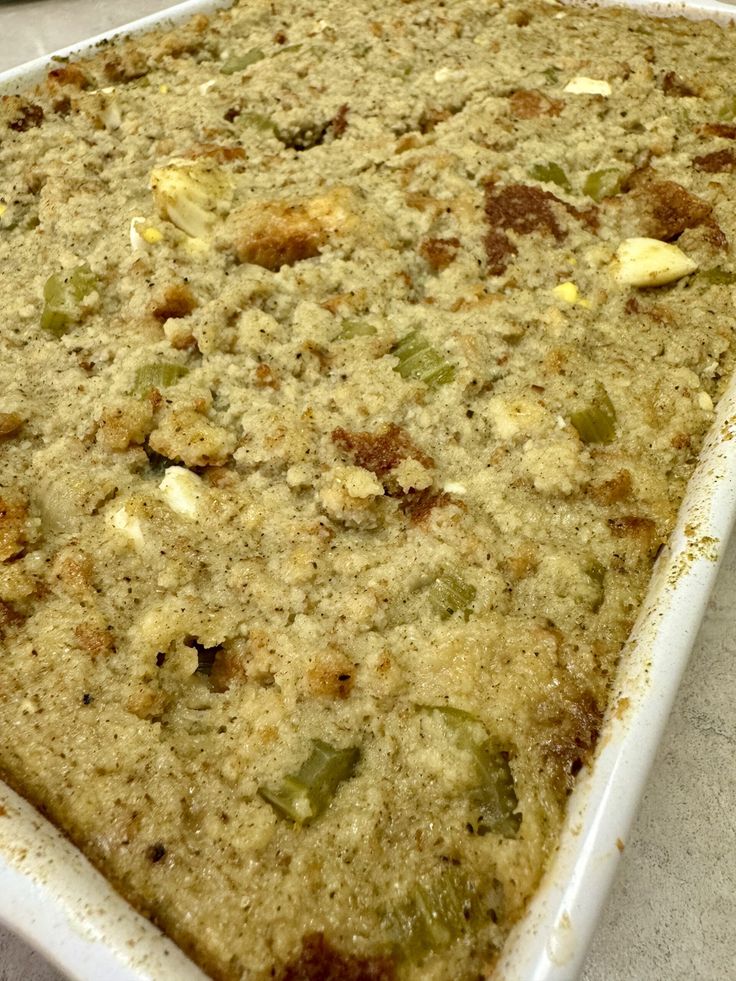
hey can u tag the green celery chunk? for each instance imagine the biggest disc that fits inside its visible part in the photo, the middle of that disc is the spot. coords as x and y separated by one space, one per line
718 277
158 374
258 121
82 282
355 328
287 49
552 74
58 311
63 296
596 572
449 594
551 173
453 717
596 423
238 63
433 915
602 184
301 797
419 360
493 794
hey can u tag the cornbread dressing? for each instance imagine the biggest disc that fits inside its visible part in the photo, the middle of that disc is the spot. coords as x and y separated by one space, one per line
355 358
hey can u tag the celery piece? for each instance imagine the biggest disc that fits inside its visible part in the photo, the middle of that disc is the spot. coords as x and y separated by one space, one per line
552 74
449 594
433 914
442 907
596 572
600 184
551 173
287 49
718 277
258 121
495 795
58 310
63 297
157 374
454 717
301 797
238 63
355 328
492 794
596 423
82 282
419 360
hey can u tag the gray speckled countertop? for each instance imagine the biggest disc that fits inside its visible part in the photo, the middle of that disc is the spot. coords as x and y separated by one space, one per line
672 913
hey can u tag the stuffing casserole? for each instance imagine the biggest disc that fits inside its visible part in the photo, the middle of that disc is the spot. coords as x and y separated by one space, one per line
354 364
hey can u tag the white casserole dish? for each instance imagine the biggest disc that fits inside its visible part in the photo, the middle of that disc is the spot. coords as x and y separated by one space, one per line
50 894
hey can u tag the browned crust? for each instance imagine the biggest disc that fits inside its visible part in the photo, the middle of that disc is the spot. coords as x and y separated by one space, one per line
10 423
177 301
439 253
668 209
611 491
93 640
283 236
381 451
524 209
418 505
13 526
23 115
673 84
9 617
572 726
727 131
717 162
216 152
531 103
638 528
318 960
340 121
70 75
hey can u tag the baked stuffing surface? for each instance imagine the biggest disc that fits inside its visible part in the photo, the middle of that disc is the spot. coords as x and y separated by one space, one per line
354 362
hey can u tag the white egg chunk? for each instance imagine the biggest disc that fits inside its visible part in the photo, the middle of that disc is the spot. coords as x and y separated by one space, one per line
128 525
111 115
580 85
649 262
446 74
137 242
191 195
183 491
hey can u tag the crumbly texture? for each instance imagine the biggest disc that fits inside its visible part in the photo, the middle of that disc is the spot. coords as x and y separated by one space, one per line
296 531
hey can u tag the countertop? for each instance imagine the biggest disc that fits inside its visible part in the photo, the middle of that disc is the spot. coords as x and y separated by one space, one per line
672 914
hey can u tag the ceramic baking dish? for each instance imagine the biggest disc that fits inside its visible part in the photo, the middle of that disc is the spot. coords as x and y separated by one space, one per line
51 895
